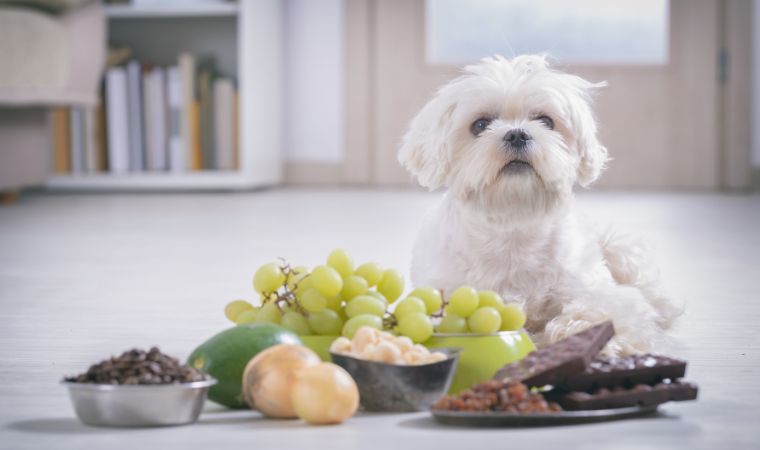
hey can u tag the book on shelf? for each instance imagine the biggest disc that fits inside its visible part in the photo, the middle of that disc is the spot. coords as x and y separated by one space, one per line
189 114
178 119
61 140
101 137
90 139
117 115
206 104
154 101
196 154
236 131
174 104
135 119
223 129
76 127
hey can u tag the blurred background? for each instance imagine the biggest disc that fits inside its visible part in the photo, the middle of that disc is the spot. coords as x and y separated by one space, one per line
213 95
155 153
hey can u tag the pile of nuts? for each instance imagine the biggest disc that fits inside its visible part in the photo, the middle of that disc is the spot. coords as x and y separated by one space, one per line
497 395
380 346
139 367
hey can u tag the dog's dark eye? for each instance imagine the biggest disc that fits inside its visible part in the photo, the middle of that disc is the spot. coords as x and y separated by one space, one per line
546 120
480 126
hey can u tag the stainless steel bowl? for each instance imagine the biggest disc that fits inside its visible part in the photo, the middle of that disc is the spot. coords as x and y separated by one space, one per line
397 388
138 405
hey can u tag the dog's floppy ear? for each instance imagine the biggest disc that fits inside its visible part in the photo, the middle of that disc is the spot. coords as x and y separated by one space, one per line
425 151
593 155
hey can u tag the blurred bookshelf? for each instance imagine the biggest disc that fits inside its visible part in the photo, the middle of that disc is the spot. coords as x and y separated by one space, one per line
236 48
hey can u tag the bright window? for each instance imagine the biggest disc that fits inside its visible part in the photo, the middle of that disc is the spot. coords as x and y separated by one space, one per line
577 31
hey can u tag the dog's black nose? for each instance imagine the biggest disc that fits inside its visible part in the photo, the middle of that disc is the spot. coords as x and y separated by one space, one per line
517 138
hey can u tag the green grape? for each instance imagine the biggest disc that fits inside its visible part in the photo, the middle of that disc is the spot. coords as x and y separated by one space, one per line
296 323
391 285
378 296
512 317
342 314
326 280
303 286
430 296
235 307
326 322
296 275
451 323
335 303
372 272
362 320
484 320
463 301
313 301
353 286
269 313
268 278
416 326
247 316
364 304
342 262
409 305
490 298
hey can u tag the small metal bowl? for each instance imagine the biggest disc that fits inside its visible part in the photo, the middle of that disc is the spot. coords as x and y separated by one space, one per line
400 388
138 405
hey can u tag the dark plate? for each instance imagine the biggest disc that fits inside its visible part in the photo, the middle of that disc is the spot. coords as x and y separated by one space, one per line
505 419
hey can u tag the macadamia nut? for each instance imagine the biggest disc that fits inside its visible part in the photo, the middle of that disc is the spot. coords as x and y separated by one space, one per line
380 346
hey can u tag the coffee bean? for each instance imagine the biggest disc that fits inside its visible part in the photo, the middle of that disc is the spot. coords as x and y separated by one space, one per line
139 367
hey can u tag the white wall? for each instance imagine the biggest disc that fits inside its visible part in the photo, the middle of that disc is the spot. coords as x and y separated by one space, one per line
314 119
756 86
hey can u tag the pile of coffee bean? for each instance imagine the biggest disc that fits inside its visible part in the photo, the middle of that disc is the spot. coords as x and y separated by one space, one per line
498 395
139 367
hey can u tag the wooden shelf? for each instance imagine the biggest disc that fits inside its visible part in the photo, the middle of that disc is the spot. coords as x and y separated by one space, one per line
148 181
204 9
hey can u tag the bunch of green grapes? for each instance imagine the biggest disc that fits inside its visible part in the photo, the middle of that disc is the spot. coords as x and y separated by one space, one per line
424 311
331 299
471 311
339 298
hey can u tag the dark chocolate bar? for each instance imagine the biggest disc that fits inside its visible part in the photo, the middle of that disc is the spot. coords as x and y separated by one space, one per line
619 397
554 363
625 372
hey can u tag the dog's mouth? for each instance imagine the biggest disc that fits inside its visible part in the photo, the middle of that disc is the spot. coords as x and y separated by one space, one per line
517 166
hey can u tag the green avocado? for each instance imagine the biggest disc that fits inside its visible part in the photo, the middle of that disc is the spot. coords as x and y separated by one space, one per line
226 354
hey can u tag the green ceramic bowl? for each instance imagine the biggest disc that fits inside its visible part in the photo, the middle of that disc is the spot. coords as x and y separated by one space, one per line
482 354
320 345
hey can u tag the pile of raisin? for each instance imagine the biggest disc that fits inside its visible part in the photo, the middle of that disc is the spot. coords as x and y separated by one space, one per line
497 395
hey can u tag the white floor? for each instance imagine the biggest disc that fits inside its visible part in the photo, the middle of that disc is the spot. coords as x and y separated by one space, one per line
83 277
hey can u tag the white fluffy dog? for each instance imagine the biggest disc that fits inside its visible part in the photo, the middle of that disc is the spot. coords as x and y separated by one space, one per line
509 139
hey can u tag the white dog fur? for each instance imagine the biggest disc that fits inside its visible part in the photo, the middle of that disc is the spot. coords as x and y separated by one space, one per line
514 229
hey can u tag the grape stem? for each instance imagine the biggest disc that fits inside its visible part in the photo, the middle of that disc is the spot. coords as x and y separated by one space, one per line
287 296
389 321
439 314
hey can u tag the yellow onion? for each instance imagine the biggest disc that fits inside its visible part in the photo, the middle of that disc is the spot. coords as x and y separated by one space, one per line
268 378
324 394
